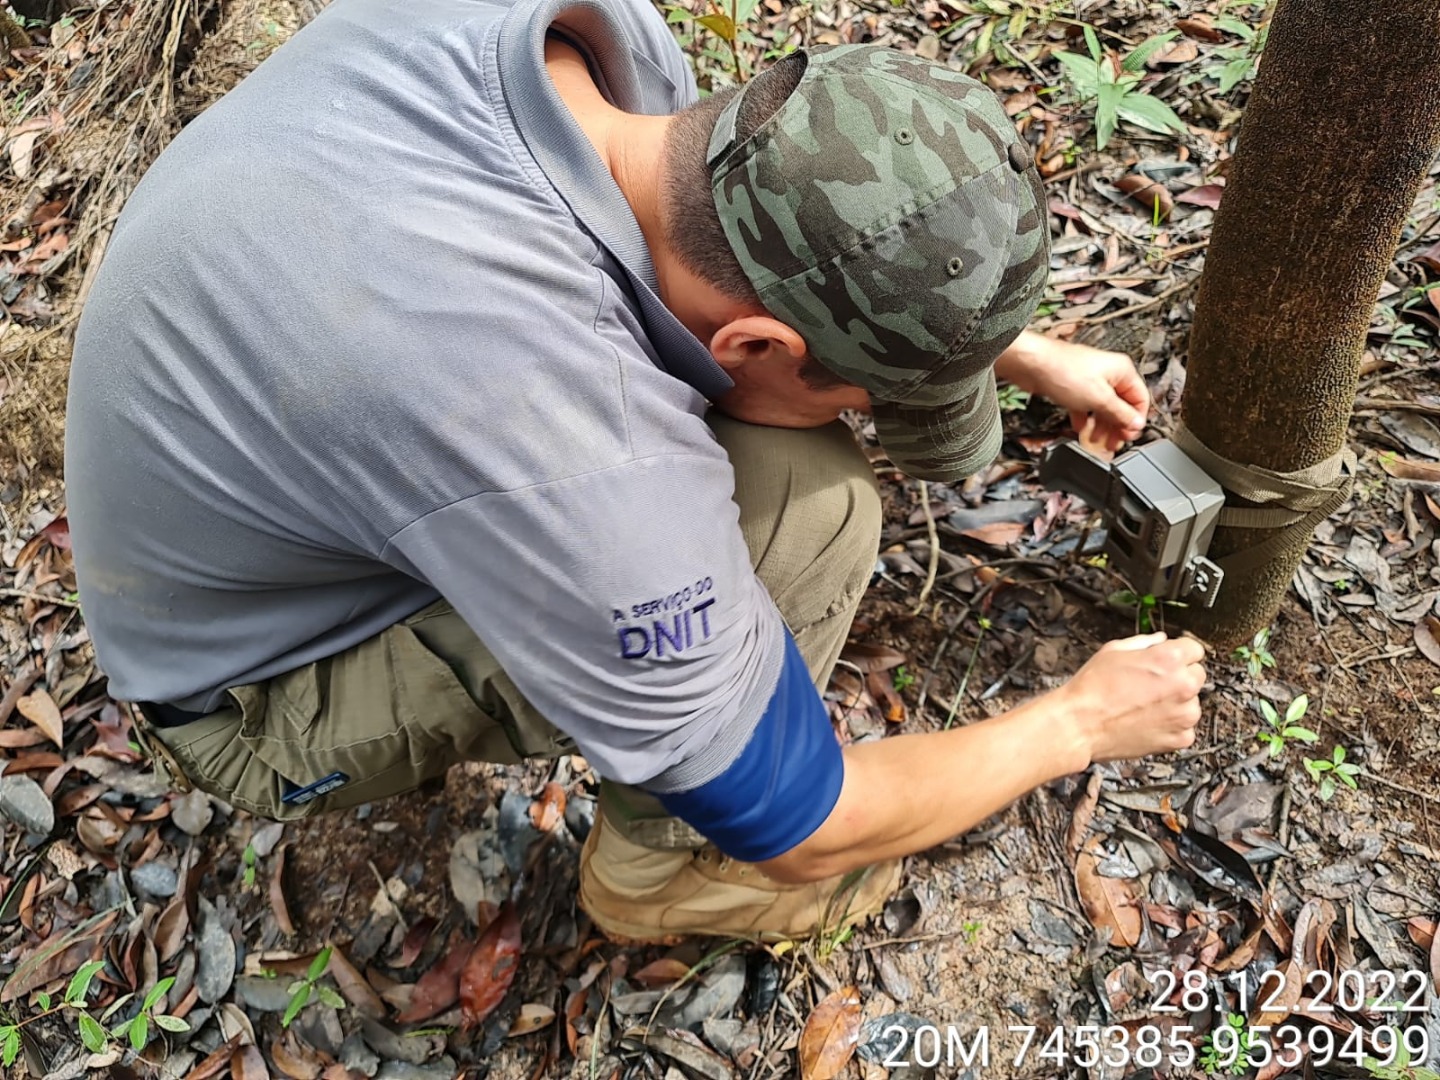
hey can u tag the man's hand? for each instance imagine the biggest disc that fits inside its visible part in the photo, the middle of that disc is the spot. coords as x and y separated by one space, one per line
1104 394
1137 696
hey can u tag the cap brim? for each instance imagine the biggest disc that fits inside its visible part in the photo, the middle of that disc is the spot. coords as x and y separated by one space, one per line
944 443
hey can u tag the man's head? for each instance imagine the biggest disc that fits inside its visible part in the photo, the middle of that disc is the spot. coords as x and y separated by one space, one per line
867 222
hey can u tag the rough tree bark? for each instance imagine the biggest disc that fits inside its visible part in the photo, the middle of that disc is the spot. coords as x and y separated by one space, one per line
1340 130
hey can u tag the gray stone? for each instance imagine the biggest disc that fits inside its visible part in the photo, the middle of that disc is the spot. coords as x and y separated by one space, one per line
24 802
357 1057
216 971
266 837
155 879
716 996
413 1049
443 1069
262 994
192 812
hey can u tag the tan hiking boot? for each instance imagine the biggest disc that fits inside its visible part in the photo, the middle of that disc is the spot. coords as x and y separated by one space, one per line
638 894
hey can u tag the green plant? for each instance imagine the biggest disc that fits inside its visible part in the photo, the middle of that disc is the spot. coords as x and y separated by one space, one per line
1215 1058
1257 656
248 858
1012 398
714 39
1400 1068
302 991
1325 772
1113 83
1287 728
1233 64
90 1028
969 668
902 680
999 26
1149 610
971 929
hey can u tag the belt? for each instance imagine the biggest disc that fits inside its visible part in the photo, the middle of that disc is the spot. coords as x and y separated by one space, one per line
165 715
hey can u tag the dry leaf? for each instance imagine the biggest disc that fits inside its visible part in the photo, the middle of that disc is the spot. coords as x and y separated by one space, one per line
22 153
277 894
1109 902
1181 52
996 533
1154 197
40 709
1199 28
661 972
294 1060
439 987
1402 469
1287 997
1435 962
533 1017
1427 638
830 1035
216 1063
549 809
353 985
171 929
870 658
882 689
247 1064
1421 930
1084 812
415 941
491 968
1208 195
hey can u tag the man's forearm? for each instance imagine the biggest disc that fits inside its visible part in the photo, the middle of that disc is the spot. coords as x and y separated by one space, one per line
910 792
1018 363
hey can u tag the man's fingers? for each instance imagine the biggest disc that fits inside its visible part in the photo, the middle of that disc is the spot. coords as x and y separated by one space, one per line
1134 644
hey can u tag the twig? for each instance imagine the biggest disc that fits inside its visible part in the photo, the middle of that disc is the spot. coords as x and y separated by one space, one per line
1078 170
1402 787
999 684
1396 403
934 548
26 594
1134 309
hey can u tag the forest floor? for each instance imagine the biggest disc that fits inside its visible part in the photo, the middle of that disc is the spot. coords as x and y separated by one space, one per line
1098 902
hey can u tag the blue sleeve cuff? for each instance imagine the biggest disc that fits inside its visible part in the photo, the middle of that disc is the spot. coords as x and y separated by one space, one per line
784 783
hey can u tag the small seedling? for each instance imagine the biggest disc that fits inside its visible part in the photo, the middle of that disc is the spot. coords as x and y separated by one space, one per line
902 680
1257 656
1237 62
971 929
1113 85
1148 609
1325 772
137 1028
1400 1068
301 992
1287 728
1216 1049
248 857
1012 398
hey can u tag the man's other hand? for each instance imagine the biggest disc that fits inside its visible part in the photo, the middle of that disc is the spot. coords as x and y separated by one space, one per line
1137 696
1103 392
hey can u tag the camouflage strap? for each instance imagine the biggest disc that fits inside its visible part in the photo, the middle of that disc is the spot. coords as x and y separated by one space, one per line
1296 501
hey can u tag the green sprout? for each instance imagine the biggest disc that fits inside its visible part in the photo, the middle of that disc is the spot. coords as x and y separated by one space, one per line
1214 1060
1257 656
1012 398
302 991
1286 728
1325 772
1114 87
902 680
249 858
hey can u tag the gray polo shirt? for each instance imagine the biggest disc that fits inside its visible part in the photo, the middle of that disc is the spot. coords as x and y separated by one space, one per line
379 328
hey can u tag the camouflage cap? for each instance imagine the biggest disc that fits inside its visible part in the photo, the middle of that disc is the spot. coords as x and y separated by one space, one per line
890 213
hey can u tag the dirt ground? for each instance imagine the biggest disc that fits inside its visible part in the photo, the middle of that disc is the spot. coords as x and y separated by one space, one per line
1068 911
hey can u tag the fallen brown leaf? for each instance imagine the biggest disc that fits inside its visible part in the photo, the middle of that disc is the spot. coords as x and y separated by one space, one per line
171 929
353 985
661 972
549 809
491 968
296 1061
247 1064
882 689
1200 28
415 941
40 709
1208 195
1180 52
870 658
996 533
439 988
533 1016
215 1063
830 1035
277 894
1084 812
1287 997
1427 638
1421 930
1154 197
1109 902
1402 469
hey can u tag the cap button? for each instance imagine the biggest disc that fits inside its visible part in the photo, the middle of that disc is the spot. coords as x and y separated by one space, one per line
1019 157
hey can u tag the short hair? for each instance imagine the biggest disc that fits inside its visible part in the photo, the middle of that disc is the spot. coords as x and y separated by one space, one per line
692 225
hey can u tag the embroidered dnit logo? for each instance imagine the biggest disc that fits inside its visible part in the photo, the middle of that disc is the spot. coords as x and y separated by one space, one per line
667 626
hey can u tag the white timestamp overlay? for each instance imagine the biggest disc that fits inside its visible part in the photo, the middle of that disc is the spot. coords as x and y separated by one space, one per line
1150 1046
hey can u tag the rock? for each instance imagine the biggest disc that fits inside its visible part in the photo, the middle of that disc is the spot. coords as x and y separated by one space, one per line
24 802
192 812
216 971
415 1050
155 879
716 995
357 1057
580 816
262 994
477 867
443 1069
266 837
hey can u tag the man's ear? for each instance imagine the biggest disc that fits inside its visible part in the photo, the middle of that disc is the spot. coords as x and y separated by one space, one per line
755 338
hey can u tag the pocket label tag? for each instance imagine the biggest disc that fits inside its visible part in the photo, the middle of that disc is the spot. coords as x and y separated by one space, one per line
323 786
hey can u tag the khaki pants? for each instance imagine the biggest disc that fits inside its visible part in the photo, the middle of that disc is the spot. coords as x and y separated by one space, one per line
402 707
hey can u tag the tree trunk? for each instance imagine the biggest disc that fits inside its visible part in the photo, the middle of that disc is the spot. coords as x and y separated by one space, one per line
1338 135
